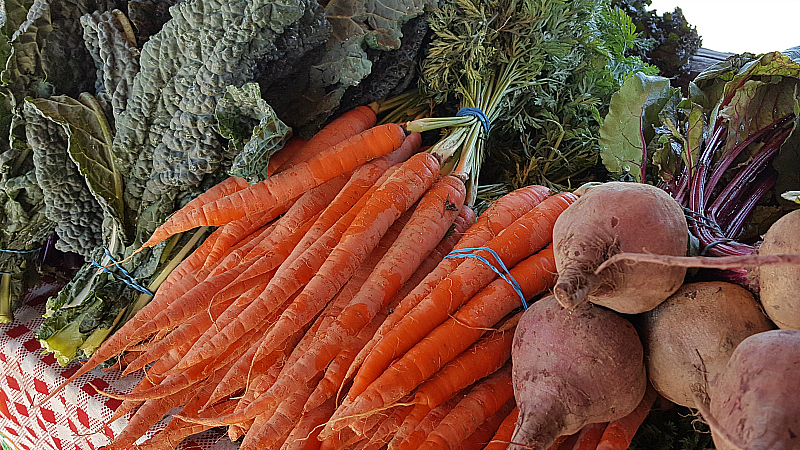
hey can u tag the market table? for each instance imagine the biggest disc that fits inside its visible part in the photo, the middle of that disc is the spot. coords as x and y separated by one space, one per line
73 419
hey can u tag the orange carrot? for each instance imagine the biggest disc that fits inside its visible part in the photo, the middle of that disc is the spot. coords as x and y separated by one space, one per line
287 384
381 434
436 212
525 236
503 435
285 186
299 267
426 228
364 181
335 372
619 433
495 219
485 398
534 275
275 430
309 205
304 434
185 332
465 219
277 159
177 430
395 196
482 358
426 425
588 437
234 231
148 414
343 127
191 264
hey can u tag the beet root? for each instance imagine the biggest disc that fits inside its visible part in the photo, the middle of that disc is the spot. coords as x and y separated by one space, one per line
754 401
689 338
614 218
779 284
572 367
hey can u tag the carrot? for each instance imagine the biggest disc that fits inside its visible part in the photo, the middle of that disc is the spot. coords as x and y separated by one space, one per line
525 236
234 231
364 181
429 223
191 264
426 228
425 426
148 414
188 331
481 437
588 437
287 384
482 358
275 430
484 399
465 219
177 430
502 436
343 127
144 323
297 270
499 216
277 159
176 380
304 434
381 434
535 274
619 433
395 196
285 186
335 372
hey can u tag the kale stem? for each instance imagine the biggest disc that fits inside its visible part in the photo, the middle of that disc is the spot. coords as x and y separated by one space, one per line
6 314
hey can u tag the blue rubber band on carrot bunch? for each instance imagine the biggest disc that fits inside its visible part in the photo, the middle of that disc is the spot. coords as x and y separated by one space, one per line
126 278
477 112
502 271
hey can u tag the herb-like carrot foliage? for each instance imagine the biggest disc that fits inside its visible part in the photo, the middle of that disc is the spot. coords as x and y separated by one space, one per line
285 186
525 236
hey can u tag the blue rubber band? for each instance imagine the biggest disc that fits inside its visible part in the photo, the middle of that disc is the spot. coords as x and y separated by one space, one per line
502 272
477 112
126 276
11 250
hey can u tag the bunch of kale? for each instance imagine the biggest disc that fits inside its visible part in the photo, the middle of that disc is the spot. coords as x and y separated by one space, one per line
115 114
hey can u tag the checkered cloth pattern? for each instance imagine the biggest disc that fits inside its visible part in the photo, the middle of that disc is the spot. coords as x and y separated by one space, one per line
74 419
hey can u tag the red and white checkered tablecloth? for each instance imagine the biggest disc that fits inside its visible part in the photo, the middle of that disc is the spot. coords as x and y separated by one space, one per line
74 418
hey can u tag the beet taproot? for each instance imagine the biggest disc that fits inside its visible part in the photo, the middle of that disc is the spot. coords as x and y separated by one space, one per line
754 401
689 338
613 218
779 285
572 367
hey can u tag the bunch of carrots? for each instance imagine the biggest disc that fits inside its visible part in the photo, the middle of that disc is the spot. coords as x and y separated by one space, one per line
351 300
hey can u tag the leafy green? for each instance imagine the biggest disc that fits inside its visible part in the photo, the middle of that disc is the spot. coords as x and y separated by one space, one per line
253 130
721 151
671 39
628 126
89 147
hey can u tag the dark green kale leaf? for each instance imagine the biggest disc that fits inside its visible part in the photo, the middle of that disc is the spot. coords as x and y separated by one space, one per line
69 202
167 138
